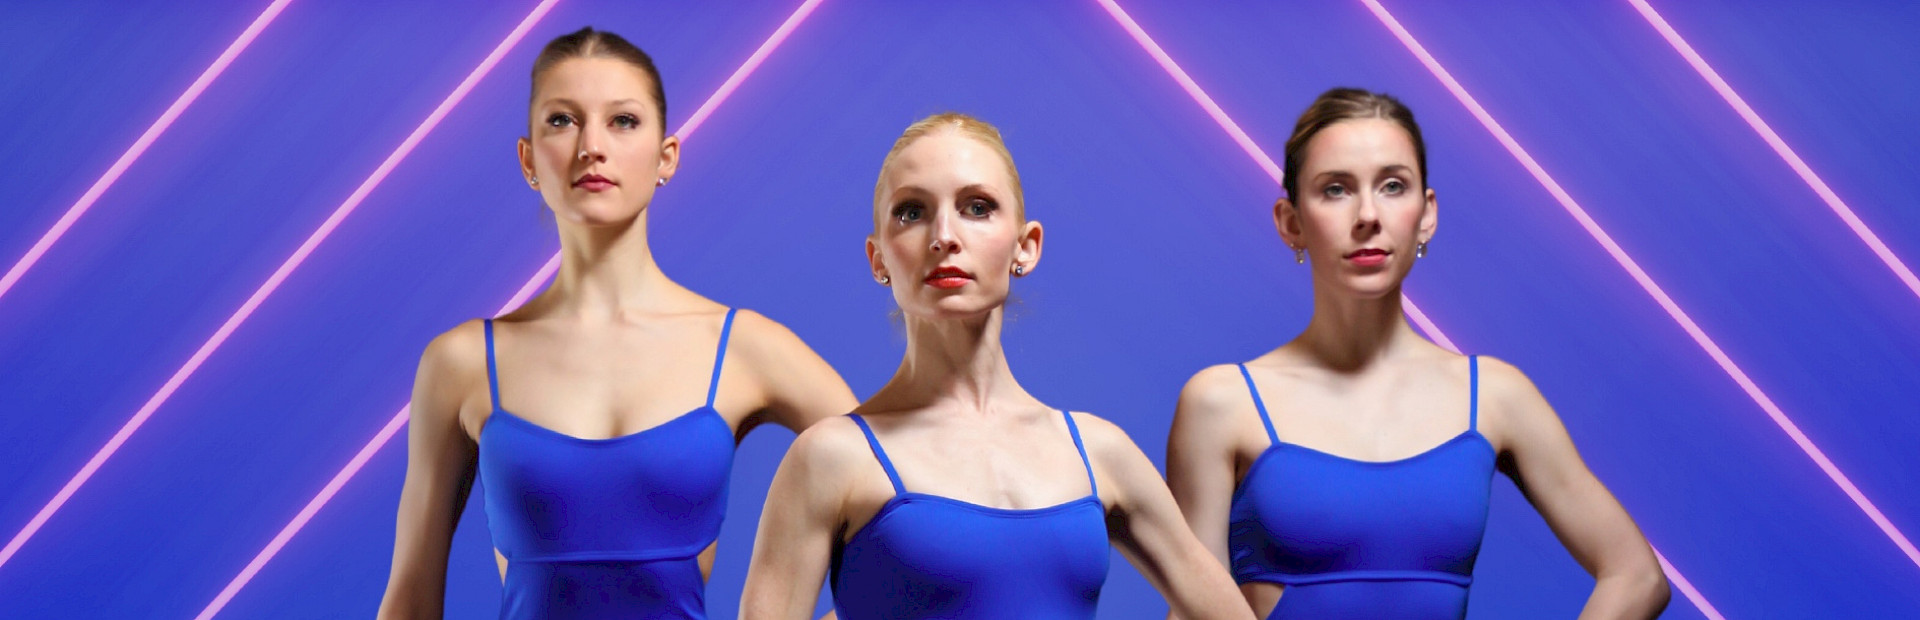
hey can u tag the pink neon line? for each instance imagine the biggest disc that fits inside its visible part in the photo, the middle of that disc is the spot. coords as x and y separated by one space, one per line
1646 282
525 292
1779 145
267 288
1686 588
159 126
1241 138
1419 318
746 68
351 469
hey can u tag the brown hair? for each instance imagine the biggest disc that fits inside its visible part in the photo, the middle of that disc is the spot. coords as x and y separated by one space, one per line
1341 104
981 131
589 43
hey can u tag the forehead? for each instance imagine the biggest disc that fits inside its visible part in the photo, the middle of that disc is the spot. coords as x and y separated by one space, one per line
592 80
947 159
1359 144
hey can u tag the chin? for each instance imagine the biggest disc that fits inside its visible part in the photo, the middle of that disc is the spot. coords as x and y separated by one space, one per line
601 213
956 306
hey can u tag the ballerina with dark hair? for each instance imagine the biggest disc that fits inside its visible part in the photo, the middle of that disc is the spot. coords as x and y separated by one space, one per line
602 414
1346 474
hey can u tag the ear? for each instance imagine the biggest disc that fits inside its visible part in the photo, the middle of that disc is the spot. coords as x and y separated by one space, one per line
525 147
874 261
1431 219
1026 249
1286 219
669 158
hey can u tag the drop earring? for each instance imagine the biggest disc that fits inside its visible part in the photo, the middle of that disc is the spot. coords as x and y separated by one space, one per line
1420 250
1299 255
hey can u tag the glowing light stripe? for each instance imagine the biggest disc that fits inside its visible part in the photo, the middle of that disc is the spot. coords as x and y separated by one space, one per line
1652 288
1780 147
159 126
267 288
1419 318
527 290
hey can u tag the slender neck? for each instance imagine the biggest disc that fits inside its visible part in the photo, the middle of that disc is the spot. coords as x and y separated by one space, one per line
605 271
1349 333
956 363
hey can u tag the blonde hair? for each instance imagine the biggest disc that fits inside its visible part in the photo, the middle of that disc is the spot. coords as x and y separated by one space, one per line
981 131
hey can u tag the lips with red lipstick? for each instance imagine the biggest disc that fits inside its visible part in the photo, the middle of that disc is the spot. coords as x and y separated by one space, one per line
949 278
594 183
1368 257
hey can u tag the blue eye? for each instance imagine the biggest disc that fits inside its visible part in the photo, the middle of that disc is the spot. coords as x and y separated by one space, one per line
980 208
626 121
559 120
907 212
1394 187
1334 191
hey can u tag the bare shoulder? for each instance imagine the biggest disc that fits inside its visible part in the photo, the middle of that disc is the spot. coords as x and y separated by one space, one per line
831 450
1512 410
453 363
758 335
1104 440
1503 385
1215 389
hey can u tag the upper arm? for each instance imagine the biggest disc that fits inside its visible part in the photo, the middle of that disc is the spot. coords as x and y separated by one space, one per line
1202 467
1147 526
1540 457
440 469
803 515
799 387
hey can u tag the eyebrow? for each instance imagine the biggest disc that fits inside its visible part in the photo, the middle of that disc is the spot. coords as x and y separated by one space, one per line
1390 168
571 103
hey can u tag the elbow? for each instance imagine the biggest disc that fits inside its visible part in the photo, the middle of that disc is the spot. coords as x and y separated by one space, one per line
1657 592
1647 589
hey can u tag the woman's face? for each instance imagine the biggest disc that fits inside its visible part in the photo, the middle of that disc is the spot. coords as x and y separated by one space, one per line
948 234
596 149
1362 207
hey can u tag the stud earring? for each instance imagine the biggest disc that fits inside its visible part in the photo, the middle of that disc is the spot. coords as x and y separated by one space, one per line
883 280
659 182
1299 255
1420 250
533 182
1019 269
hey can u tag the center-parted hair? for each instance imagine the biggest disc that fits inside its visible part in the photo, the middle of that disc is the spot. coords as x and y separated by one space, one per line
1342 104
589 43
979 130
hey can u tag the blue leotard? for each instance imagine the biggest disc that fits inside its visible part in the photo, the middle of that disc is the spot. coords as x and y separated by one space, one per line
1363 539
927 556
605 528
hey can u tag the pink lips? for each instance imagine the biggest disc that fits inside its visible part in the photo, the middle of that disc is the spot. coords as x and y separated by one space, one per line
594 183
1368 257
949 278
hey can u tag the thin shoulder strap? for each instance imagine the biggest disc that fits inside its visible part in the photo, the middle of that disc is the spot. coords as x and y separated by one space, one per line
720 357
493 375
1260 405
879 453
1082 447
1473 393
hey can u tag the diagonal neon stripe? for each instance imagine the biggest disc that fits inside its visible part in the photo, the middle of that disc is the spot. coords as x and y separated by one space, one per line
527 290
1652 288
1780 147
1245 142
1433 331
347 472
159 126
267 288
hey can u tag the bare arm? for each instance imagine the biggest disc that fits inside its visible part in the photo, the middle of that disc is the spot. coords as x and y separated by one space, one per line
800 388
1541 459
1201 467
803 514
1147 527
440 470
